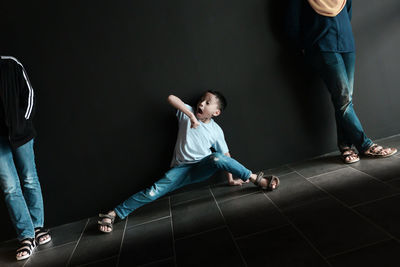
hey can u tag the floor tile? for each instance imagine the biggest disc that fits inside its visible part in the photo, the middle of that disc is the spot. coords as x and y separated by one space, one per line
250 214
7 254
384 169
64 234
278 171
152 211
147 243
385 213
333 228
109 262
345 182
283 247
162 263
214 248
394 183
196 216
57 256
294 190
95 245
224 192
318 166
382 254
184 196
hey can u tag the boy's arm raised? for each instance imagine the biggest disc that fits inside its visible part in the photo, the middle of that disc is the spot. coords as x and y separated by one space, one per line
177 103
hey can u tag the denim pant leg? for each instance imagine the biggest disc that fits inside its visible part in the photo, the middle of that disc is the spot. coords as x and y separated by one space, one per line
173 179
337 72
15 201
214 162
24 157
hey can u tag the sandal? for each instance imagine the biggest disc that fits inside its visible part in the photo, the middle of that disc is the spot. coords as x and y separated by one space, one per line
101 222
376 151
27 245
270 179
349 155
40 232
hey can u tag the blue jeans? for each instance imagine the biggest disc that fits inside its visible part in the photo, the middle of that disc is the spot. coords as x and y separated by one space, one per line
180 176
337 72
25 205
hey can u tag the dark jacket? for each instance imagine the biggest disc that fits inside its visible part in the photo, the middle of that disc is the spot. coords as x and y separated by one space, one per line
307 29
17 102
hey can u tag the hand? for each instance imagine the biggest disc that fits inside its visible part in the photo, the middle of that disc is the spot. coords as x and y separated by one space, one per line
238 181
194 123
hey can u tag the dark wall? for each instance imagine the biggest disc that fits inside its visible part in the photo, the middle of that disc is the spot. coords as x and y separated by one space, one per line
102 71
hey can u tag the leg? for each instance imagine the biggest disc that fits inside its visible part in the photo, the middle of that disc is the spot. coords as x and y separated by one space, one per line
333 71
15 202
25 162
173 179
217 161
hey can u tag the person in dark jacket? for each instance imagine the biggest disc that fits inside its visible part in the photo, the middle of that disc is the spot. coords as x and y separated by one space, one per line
322 30
17 159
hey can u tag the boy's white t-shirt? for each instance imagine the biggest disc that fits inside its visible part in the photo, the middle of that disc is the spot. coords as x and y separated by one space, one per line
193 144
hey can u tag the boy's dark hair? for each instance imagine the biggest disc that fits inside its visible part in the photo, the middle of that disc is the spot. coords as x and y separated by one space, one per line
221 99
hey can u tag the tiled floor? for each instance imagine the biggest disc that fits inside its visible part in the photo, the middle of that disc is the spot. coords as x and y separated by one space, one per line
324 214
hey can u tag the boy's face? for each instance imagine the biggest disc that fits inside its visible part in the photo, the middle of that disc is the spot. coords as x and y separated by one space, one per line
207 107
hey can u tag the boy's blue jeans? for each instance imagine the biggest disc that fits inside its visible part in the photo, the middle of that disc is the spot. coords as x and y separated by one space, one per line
24 206
337 72
183 175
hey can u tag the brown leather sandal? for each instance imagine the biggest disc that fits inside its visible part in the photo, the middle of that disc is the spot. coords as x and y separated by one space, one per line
270 179
349 155
376 151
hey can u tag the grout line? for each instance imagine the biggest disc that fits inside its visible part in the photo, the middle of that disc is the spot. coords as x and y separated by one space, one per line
155 220
96 261
77 243
374 200
359 248
230 232
188 200
263 231
172 231
357 213
298 230
321 174
122 240
157 261
240 196
200 233
375 178
51 248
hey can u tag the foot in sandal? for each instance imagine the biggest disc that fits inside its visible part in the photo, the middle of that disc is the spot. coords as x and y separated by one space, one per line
26 248
376 151
266 182
349 155
106 221
42 236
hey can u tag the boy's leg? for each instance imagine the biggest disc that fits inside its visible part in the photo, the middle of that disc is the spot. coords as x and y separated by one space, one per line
214 162
15 202
172 180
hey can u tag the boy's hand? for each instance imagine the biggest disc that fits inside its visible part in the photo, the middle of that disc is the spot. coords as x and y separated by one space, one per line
194 123
238 182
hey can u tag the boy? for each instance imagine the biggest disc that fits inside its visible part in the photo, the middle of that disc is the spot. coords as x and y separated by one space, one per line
17 158
193 160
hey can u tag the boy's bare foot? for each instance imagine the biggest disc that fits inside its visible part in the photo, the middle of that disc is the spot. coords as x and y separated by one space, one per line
376 151
106 221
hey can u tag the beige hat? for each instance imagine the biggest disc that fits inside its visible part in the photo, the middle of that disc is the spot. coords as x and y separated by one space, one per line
328 8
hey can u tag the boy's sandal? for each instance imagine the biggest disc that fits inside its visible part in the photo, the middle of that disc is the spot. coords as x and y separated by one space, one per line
102 222
270 179
27 245
376 151
349 155
41 232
